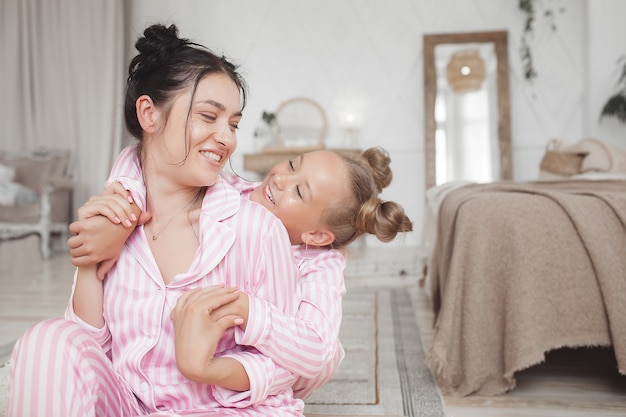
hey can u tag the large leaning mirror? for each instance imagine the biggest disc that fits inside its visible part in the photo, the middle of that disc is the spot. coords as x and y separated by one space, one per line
300 124
467 109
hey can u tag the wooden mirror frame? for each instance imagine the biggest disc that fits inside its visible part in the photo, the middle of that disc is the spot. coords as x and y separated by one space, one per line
283 143
500 41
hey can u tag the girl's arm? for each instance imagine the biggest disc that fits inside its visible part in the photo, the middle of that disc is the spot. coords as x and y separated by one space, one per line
105 222
312 335
197 331
307 342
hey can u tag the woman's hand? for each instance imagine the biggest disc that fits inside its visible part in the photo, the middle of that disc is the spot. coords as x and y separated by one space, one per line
198 330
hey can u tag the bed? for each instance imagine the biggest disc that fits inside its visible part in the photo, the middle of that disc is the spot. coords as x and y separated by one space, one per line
518 269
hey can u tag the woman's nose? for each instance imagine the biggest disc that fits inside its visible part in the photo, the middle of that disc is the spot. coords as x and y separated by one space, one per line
226 136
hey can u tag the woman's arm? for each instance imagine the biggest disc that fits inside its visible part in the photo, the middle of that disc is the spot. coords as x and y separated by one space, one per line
88 297
88 293
197 333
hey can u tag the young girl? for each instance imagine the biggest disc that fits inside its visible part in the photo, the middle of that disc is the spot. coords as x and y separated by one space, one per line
323 211
123 340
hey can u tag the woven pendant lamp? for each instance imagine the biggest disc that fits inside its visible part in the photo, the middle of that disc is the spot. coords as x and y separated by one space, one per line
465 71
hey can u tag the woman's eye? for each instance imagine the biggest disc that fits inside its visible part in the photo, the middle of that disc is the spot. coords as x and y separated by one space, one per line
209 117
291 165
298 191
234 126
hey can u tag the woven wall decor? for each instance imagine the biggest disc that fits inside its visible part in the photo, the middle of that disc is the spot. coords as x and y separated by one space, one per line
465 71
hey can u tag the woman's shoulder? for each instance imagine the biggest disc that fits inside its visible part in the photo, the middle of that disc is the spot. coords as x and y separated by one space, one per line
239 183
259 215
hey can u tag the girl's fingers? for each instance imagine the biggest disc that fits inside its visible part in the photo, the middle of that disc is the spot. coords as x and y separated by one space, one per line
227 322
114 206
118 188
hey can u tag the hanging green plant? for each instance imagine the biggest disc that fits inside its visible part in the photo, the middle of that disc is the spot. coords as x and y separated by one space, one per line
528 7
616 105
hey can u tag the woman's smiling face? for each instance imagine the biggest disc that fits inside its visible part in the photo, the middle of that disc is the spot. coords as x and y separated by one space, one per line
299 190
210 127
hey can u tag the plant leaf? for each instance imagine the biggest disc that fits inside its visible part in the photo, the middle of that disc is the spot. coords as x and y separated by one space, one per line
615 107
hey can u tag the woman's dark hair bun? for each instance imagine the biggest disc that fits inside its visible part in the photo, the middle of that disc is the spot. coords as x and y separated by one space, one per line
158 38
157 45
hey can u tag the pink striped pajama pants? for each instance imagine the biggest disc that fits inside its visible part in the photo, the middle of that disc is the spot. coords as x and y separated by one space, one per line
58 369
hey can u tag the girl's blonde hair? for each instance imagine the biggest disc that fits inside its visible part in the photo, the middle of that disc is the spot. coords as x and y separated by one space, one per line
362 211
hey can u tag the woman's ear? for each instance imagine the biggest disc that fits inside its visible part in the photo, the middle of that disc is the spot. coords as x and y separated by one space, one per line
147 114
318 238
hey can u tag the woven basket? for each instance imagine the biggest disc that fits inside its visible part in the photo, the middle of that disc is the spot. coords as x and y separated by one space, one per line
561 161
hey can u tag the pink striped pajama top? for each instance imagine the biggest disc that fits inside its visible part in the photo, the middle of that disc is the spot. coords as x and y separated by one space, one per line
241 245
306 343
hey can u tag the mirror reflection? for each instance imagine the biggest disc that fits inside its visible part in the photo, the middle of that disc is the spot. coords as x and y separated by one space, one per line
466 113
467 132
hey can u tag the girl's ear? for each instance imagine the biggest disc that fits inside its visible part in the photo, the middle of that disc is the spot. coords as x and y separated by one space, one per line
147 114
318 238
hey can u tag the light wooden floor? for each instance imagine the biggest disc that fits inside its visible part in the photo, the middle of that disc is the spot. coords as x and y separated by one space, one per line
570 383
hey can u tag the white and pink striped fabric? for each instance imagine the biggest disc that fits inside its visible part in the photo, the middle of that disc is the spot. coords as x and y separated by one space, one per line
131 359
306 344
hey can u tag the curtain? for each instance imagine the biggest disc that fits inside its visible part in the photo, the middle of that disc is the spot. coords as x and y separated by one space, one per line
62 77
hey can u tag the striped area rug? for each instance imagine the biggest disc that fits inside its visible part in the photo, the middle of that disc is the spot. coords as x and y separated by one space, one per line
383 373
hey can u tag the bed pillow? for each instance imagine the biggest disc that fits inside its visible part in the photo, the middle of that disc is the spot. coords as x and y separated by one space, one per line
599 156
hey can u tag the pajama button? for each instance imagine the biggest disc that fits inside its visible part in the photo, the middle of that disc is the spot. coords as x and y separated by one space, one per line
144 386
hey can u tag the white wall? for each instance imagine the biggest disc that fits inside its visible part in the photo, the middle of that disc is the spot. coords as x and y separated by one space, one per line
606 42
368 54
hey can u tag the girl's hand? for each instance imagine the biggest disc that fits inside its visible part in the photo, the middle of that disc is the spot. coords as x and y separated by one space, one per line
240 308
197 331
98 237
115 203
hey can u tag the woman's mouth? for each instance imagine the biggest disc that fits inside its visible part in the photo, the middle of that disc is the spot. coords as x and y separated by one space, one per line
211 155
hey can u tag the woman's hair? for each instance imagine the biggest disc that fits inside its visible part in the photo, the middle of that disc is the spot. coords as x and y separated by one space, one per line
362 211
166 65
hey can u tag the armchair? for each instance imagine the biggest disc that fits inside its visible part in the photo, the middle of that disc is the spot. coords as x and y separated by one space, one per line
47 173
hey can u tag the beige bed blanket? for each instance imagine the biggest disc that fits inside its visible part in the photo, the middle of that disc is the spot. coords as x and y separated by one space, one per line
520 269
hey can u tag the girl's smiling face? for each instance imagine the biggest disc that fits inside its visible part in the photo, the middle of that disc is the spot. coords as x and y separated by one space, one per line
298 192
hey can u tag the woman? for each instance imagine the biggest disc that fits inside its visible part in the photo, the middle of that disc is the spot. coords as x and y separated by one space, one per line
117 349
325 200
